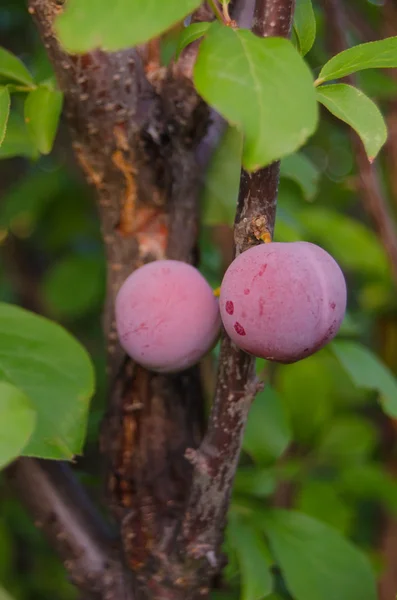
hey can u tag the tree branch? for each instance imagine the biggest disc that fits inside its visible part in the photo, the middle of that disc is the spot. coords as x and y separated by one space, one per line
372 195
216 460
72 526
136 136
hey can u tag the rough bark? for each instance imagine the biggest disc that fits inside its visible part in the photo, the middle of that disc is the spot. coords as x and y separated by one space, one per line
73 528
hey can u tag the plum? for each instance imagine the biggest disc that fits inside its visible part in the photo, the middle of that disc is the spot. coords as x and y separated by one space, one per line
283 301
167 316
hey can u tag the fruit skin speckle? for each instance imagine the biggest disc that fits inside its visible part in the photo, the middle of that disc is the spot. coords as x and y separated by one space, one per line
239 329
295 305
229 307
167 316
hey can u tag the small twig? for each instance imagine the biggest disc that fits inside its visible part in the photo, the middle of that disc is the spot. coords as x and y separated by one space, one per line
217 11
72 526
372 195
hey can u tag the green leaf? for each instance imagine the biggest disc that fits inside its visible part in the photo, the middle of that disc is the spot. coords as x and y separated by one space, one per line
11 68
254 482
316 561
267 434
300 386
368 372
372 55
190 34
304 25
300 169
266 91
377 84
24 203
352 106
4 595
17 141
222 180
55 372
253 557
74 285
91 24
43 108
17 421
347 439
370 481
353 245
321 500
4 111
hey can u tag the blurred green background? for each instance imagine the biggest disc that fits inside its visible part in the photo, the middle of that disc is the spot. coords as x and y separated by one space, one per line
320 443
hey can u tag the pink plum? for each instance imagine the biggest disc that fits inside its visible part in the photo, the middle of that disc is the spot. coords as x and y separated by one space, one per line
167 316
283 301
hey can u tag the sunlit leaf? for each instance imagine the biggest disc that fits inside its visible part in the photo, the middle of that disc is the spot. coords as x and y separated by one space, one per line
46 363
304 25
352 106
190 34
91 24
368 372
43 108
372 55
17 421
4 111
265 89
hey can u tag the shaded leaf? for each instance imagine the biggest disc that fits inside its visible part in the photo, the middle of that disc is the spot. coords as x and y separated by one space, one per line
74 285
372 55
84 26
316 561
353 245
321 500
304 25
267 433
17 421
368 372
222 180
254 482
190 34
301 170
301 386
254 91
252 556
352 106
25 202
4 111
347 439
55 372
43 107
17 141
11 68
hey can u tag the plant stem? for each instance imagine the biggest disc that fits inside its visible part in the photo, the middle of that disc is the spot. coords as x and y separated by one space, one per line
217 11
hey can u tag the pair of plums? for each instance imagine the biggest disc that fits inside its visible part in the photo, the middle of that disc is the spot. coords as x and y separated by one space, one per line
278 301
